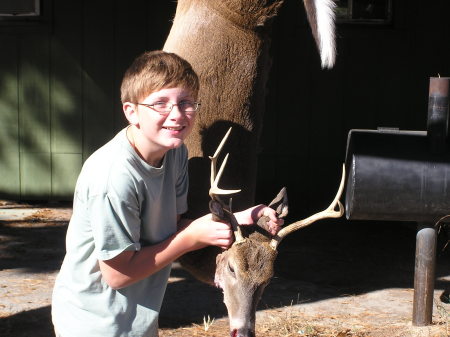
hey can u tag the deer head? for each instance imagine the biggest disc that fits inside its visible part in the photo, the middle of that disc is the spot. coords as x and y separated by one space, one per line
245 269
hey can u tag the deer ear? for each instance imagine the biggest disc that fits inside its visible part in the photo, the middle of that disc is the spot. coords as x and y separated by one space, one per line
280 203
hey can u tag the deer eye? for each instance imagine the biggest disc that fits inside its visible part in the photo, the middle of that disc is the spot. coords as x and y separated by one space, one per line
230 268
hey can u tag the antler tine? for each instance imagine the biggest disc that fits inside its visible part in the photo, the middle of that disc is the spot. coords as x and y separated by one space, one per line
215 189
216 155
329 212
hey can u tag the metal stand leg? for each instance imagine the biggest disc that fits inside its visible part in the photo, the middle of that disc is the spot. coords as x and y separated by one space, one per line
424 275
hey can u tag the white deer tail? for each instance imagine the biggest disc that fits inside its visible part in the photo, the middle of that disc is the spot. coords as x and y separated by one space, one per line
321 15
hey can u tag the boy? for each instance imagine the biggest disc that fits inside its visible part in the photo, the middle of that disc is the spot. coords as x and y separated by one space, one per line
126 226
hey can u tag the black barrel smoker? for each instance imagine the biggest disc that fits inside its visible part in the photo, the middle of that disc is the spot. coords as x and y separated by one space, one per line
405 176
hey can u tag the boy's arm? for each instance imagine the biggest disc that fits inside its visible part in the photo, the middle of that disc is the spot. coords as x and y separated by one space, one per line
132 266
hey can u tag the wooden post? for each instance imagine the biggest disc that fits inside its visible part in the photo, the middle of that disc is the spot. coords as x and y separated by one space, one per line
424 275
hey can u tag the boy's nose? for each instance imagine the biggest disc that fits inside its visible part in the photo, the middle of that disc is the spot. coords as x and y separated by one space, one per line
176 112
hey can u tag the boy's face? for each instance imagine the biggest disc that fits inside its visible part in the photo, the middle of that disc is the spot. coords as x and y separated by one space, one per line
159 132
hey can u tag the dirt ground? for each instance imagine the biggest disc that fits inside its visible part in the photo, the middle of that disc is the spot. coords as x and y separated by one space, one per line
335 278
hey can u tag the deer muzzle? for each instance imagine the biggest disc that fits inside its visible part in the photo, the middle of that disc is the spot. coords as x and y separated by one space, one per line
242 333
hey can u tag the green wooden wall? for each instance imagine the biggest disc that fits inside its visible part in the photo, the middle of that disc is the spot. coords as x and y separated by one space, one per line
59 88
59 91
380 79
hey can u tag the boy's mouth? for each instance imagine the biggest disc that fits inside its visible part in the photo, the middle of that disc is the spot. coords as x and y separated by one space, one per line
174 128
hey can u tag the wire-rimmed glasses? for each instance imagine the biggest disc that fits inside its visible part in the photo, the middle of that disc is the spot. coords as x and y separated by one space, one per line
164 108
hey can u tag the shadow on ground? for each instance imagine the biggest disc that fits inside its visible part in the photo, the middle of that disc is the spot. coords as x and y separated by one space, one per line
36 323
329 259
33 246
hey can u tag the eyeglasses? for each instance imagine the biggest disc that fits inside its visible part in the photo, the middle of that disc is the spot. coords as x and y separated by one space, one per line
164 108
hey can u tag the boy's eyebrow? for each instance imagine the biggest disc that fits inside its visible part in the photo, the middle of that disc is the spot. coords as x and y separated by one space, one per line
163 97
160 97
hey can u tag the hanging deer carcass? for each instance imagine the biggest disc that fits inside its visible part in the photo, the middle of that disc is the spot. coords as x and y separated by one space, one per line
245 269
228 42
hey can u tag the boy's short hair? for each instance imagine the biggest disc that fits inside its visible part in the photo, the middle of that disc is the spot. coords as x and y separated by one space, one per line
156 70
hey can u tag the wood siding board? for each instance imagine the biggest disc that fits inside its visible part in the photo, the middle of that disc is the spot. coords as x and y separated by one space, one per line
291 173
35 177
66 99
66 79
34 121
159 16
323 177
130 31
65 168
326 119
34 126
287 115
266 175
361 89
98 76
9 119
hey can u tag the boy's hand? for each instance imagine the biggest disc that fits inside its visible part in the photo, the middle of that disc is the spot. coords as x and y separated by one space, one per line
253 214
274 224
206 232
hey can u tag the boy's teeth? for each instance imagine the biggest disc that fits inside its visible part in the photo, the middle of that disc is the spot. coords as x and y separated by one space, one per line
174 129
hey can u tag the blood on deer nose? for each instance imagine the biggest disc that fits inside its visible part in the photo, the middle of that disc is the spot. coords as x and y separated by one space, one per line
242 333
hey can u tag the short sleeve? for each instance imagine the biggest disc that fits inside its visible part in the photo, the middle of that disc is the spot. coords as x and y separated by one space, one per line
115 223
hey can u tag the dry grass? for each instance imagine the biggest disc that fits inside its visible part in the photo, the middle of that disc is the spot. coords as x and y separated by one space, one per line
444 317
290 322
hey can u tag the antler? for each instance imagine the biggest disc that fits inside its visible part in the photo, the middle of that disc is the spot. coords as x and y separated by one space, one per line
217 206
216 178
330 212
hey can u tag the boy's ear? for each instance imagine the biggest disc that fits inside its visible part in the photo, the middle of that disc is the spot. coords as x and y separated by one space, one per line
130 113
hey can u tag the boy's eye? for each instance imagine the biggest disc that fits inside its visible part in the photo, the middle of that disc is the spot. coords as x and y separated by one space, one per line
184 104
160 104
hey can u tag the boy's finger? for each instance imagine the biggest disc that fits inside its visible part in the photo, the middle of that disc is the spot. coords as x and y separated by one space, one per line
271 213
224 233
224 244
222 226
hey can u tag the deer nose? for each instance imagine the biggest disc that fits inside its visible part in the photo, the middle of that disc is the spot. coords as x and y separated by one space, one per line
242 333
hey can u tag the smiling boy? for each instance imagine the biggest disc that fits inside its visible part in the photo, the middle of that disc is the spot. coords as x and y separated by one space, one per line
126 228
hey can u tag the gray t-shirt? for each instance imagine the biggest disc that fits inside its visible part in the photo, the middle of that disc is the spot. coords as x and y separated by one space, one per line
120 203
